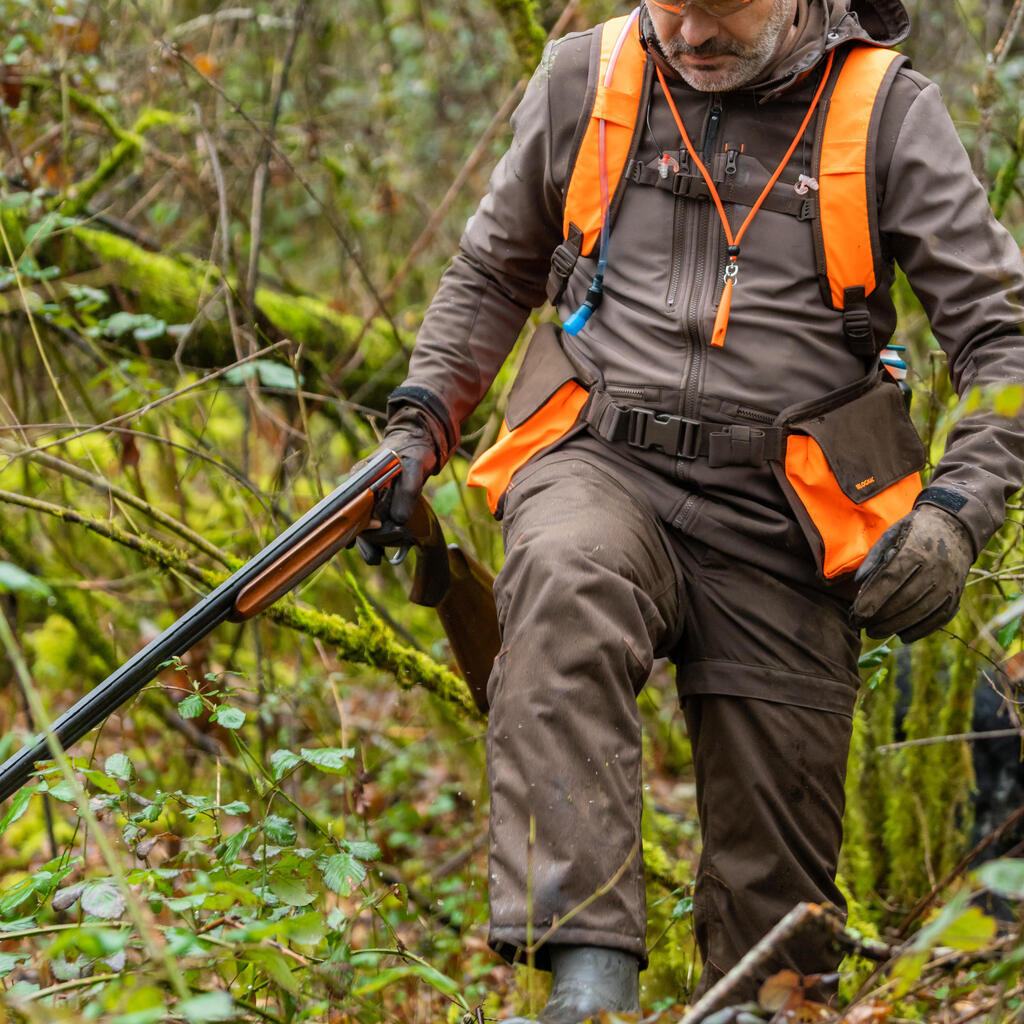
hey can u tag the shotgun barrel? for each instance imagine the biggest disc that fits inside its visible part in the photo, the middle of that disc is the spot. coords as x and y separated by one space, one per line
288 559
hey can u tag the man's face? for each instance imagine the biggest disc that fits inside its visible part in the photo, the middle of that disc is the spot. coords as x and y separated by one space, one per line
716 54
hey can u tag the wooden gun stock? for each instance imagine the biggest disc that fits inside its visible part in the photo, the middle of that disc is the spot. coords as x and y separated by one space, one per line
461 590
470 620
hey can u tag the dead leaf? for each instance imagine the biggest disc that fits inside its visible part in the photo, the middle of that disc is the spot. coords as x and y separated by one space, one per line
207 64
775 992
867 1013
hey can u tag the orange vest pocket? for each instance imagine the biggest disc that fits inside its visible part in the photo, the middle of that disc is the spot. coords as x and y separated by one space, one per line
847 528
495 468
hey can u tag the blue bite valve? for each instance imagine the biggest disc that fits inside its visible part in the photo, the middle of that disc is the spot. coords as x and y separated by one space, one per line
578 320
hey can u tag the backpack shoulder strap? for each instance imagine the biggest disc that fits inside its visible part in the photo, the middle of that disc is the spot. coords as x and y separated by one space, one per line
615 92
847 242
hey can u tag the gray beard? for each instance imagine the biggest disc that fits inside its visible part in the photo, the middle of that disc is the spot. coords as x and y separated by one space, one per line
749 61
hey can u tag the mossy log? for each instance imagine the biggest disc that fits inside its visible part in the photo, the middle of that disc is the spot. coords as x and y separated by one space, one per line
190 295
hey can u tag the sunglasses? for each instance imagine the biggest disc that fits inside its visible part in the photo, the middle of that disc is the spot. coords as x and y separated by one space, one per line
717 8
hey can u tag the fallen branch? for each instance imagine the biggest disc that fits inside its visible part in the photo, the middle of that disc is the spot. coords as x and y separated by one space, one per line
368 641
803 915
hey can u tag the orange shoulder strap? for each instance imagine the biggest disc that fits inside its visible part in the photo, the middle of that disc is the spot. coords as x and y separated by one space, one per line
616 105
846 196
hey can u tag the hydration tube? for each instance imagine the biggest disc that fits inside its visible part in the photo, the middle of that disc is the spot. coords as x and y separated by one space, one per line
595 292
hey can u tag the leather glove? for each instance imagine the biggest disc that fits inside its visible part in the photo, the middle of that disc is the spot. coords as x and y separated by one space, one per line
913 576
409 437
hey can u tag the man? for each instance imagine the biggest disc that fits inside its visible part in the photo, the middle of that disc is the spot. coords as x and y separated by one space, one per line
661 476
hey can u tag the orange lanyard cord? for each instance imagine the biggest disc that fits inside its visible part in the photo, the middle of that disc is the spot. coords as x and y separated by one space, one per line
733 242
778 170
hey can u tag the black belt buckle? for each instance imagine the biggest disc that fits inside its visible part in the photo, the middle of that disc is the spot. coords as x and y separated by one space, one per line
673 435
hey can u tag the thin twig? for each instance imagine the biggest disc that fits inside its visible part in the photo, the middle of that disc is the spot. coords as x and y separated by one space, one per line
926 901
163 400
955 737
262 176
476 157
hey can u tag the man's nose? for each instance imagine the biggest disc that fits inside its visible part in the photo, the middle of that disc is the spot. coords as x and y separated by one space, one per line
696 26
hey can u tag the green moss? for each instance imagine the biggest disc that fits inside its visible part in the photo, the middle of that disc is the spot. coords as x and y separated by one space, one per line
520 17
51 648
674 963
857 860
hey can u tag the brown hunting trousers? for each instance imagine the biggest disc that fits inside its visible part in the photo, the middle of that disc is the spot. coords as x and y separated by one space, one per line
594 588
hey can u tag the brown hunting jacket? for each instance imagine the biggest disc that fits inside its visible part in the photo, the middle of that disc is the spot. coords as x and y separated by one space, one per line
649 340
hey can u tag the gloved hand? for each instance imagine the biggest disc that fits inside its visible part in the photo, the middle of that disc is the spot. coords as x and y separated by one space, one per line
409 437
913 576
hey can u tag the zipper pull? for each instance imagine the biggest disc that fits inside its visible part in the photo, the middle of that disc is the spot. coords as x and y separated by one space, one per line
712 133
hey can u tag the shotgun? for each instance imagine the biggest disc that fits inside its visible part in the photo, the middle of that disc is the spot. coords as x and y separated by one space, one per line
445 578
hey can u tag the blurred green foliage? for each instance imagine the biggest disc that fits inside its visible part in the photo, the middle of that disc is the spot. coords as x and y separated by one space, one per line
295 836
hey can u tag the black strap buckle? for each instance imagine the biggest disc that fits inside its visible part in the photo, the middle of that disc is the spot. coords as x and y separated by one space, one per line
673 435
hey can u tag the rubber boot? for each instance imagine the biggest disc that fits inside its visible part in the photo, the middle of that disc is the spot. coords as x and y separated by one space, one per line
587 979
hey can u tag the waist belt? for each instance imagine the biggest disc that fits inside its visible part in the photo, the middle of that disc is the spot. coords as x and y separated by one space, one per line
722 444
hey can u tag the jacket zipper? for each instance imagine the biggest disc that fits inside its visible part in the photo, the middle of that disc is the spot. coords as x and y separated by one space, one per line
678 226
714 122
625 391
691 401
754 414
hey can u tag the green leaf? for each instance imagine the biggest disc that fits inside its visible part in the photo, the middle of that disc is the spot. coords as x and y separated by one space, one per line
191 902
269 373
64 791
958 925
306 929
103 899
117 766
101 781
43 228
230 718
16 201
278 830
683 908
14 580
875 657
289 889
972 930
191 706
364 850
282 762
1005 877
274 964
447 498
228 851
236 807
1008 633
208 1006
17 808
342 872
334 760
8 961
143 326
381 979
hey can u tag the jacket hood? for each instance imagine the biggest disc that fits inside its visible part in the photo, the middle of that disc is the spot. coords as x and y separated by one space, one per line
821 25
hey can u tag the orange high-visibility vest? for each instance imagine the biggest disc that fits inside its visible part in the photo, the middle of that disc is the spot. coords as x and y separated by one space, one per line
847 243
